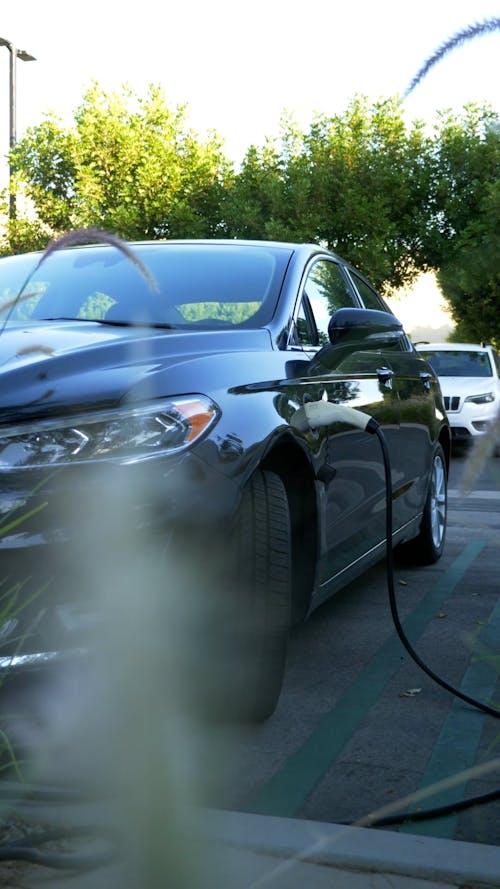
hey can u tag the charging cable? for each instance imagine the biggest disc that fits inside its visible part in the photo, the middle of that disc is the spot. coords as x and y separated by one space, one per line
315 414
492 711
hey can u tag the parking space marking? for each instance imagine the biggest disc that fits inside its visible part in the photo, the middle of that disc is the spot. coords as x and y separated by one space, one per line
287 790
458 742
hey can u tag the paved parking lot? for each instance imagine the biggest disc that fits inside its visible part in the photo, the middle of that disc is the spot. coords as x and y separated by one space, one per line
359 725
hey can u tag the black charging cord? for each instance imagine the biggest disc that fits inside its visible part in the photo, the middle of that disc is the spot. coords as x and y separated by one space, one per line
460 805
425 814
492 711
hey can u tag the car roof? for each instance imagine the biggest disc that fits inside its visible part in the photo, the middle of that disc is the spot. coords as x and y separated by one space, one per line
302 250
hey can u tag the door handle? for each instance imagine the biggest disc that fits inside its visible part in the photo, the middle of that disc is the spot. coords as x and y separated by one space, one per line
385 375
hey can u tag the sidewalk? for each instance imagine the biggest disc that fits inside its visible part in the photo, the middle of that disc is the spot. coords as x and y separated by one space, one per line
241 851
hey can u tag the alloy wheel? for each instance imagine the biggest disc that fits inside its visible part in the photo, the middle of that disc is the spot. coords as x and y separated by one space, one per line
438 501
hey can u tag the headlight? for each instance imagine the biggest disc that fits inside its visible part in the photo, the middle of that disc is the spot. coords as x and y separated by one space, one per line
487 398
126 435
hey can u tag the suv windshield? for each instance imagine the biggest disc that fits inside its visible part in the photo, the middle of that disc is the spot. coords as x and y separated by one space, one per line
460 363
208 285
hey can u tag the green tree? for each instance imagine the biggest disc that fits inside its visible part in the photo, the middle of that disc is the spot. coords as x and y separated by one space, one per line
254 199
466 195
391 198
129 165
357 182
467 206
470 277
466 162
370 182
388 196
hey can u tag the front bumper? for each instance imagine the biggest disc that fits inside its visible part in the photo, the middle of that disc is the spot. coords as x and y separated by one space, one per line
471 421
66 537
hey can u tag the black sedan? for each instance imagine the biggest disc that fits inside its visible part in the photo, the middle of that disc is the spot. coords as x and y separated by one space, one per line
223 388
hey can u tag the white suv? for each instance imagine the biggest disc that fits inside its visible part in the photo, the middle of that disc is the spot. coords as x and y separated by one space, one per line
469 375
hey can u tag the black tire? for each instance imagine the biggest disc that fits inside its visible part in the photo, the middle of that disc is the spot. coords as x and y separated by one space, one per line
256 634
427 547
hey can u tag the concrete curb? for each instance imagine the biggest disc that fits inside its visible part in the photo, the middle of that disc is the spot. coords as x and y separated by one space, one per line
304 853
239 850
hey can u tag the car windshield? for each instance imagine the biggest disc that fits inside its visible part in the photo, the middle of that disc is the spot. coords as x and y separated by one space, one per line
208 285
460 363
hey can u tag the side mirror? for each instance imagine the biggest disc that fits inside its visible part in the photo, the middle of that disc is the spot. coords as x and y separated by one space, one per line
365 328
352 331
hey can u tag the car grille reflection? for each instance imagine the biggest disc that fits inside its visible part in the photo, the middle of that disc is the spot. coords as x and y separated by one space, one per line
452 402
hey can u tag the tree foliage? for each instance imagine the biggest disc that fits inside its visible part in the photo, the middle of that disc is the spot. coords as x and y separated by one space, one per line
129 165
470 276
467 196
390 197
358 182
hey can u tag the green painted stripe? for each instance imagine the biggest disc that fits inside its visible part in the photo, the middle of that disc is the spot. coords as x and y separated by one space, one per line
288 789
457 745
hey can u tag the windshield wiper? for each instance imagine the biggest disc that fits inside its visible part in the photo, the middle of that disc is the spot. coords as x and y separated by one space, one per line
164 325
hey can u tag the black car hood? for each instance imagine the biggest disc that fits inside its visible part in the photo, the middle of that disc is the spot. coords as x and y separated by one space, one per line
65 366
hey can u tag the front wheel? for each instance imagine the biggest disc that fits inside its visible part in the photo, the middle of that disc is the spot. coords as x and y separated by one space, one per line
261 592
246 636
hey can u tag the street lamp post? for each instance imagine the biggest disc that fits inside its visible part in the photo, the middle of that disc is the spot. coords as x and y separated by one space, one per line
25 57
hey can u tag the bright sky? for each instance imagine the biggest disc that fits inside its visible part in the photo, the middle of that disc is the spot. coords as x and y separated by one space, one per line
239 65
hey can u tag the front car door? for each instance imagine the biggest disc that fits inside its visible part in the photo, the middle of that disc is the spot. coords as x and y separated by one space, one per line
350 474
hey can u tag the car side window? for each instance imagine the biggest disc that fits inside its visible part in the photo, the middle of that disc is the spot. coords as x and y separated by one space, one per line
326 290
370 297
303 333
